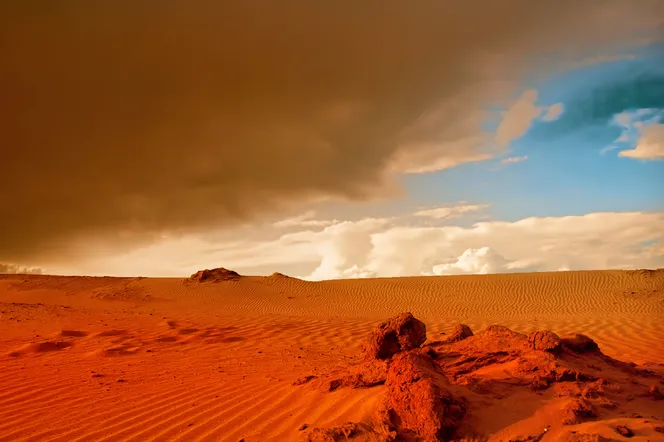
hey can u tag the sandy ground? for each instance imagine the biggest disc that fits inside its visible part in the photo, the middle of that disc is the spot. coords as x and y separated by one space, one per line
95 359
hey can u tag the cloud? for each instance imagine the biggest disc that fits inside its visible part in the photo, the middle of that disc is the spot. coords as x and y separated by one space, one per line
305 219
642 128
122 122
513 160
355 273
519 117
474 261
399 247
592 241
344 249
553 112
607 149
650 146
6 268
449 212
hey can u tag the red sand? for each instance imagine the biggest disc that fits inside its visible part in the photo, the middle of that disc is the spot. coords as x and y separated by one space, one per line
172 359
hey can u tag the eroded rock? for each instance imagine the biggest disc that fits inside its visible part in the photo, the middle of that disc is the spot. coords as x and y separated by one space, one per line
367 374
418 399
655 393
577 411
400 333
544 340
429 390
624 431
579 343
460 332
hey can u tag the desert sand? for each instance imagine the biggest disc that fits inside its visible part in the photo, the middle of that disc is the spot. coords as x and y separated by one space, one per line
224 357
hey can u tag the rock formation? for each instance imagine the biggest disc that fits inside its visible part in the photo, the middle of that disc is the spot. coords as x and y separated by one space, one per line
430 391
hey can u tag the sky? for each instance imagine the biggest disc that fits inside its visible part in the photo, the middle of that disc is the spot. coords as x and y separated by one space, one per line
338 140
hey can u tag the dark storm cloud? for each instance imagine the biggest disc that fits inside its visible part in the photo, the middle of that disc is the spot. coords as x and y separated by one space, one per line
119 119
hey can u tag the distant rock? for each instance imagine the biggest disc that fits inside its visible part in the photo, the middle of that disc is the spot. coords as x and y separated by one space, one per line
277 275
215 275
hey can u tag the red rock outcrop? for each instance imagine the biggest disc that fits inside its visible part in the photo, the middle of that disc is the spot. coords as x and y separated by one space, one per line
544 340
577 411
431 390
400 333
418 400
579 343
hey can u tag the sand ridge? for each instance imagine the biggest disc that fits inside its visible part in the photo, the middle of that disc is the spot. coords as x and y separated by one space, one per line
167 359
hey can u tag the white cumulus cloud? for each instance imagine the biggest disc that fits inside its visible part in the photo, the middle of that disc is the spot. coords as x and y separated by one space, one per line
474 261
644 130
407 246
650 146
592 241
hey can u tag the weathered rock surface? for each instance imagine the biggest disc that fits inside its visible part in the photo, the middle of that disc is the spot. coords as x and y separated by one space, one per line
431 392
460 332
544 340
577 411
579 343
400 333
418 400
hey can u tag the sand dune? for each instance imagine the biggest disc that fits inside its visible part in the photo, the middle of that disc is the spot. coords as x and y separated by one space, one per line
89 359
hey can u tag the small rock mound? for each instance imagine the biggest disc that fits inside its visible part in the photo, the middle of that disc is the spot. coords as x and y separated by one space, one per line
544 340
214 275
624 431
400 333
655 393
460 332
579 343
